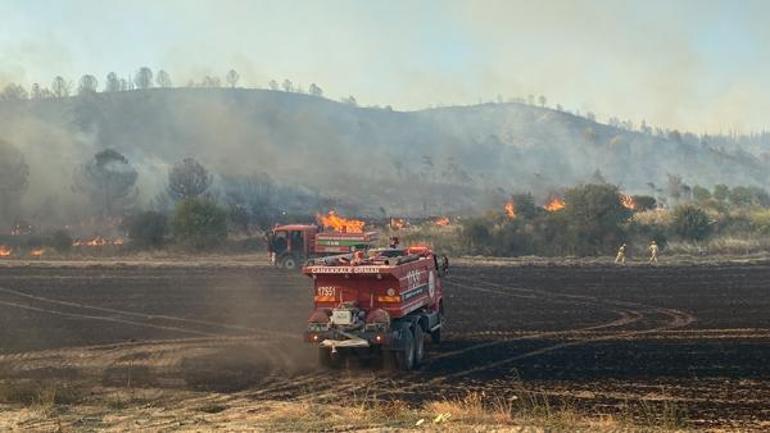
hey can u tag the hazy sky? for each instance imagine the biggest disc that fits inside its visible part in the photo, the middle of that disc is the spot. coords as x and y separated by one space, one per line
696 65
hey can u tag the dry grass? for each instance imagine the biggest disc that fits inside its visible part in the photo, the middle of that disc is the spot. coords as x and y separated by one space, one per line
724 245
31 393
121 410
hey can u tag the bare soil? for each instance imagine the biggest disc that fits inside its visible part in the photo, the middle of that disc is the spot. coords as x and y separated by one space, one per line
599 338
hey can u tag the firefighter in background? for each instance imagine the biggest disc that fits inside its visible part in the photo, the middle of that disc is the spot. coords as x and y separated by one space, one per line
654 250
358 258
621 257
394 242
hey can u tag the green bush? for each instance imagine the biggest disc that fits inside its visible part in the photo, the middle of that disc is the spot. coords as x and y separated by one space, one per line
61 241
691 223
760 222
721 192
700 193
239 217
475 236
593 218
148 229
591 223
199 223
644 203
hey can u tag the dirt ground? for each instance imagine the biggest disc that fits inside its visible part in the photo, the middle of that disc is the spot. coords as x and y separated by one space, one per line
599 338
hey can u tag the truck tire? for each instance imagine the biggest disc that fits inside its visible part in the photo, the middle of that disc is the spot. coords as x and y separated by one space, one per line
405 358
435 336
289 263
419 344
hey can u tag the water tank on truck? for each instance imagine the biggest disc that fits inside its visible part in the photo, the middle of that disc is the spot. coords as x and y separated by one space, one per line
383 304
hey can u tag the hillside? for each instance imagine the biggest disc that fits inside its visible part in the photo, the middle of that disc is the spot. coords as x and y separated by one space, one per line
444 160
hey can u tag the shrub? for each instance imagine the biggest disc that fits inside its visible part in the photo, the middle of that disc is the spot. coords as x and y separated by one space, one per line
645 203
721 192
475 236
148 229
761 222
594 216
61 241
700 193
199 223
691 223
239 217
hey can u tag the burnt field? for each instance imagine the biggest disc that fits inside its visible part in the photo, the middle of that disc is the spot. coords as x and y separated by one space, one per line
602 339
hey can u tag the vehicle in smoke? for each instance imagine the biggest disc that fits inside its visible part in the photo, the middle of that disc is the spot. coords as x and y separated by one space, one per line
292 244
380 304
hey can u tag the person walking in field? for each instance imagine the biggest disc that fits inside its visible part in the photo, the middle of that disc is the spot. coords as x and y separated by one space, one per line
621 257
654 250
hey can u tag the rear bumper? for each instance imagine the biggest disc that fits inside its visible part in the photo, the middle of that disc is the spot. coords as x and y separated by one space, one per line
351 343
360 339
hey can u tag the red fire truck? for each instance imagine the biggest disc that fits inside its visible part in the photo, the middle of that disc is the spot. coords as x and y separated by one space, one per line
379 303
290 245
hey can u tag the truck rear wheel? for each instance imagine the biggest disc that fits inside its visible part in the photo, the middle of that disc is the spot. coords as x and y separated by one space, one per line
405 358
419 345
435 336
289 263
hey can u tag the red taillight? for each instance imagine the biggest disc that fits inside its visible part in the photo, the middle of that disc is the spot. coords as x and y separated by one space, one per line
319 316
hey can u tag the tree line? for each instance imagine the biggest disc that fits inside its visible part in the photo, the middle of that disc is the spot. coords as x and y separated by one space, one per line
142 79
197 215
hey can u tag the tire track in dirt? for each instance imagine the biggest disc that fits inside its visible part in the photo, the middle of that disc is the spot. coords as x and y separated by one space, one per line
626 317
158 353
676 319
107 319
635 312
141 315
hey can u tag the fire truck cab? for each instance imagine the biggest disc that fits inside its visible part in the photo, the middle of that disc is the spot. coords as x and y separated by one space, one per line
291 245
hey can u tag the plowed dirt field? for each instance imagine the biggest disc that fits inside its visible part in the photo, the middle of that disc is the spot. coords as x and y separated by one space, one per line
600 338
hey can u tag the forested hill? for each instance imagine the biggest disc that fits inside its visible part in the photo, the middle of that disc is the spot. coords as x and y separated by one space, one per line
428 161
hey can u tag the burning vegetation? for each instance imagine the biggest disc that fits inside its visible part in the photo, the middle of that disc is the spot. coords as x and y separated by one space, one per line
397 223
510 209
627 201
337 223
442 221
97 242
555 204
5 251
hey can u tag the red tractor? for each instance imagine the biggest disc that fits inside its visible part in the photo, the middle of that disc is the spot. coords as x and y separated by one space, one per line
382 303
291 245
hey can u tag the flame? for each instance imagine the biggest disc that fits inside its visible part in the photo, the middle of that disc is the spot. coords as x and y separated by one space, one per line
510 209
555 204
339 224
37 253
442 222
98 242
5 251
627 201
397 223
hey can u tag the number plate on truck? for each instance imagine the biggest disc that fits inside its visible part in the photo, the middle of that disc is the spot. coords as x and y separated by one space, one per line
342 317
